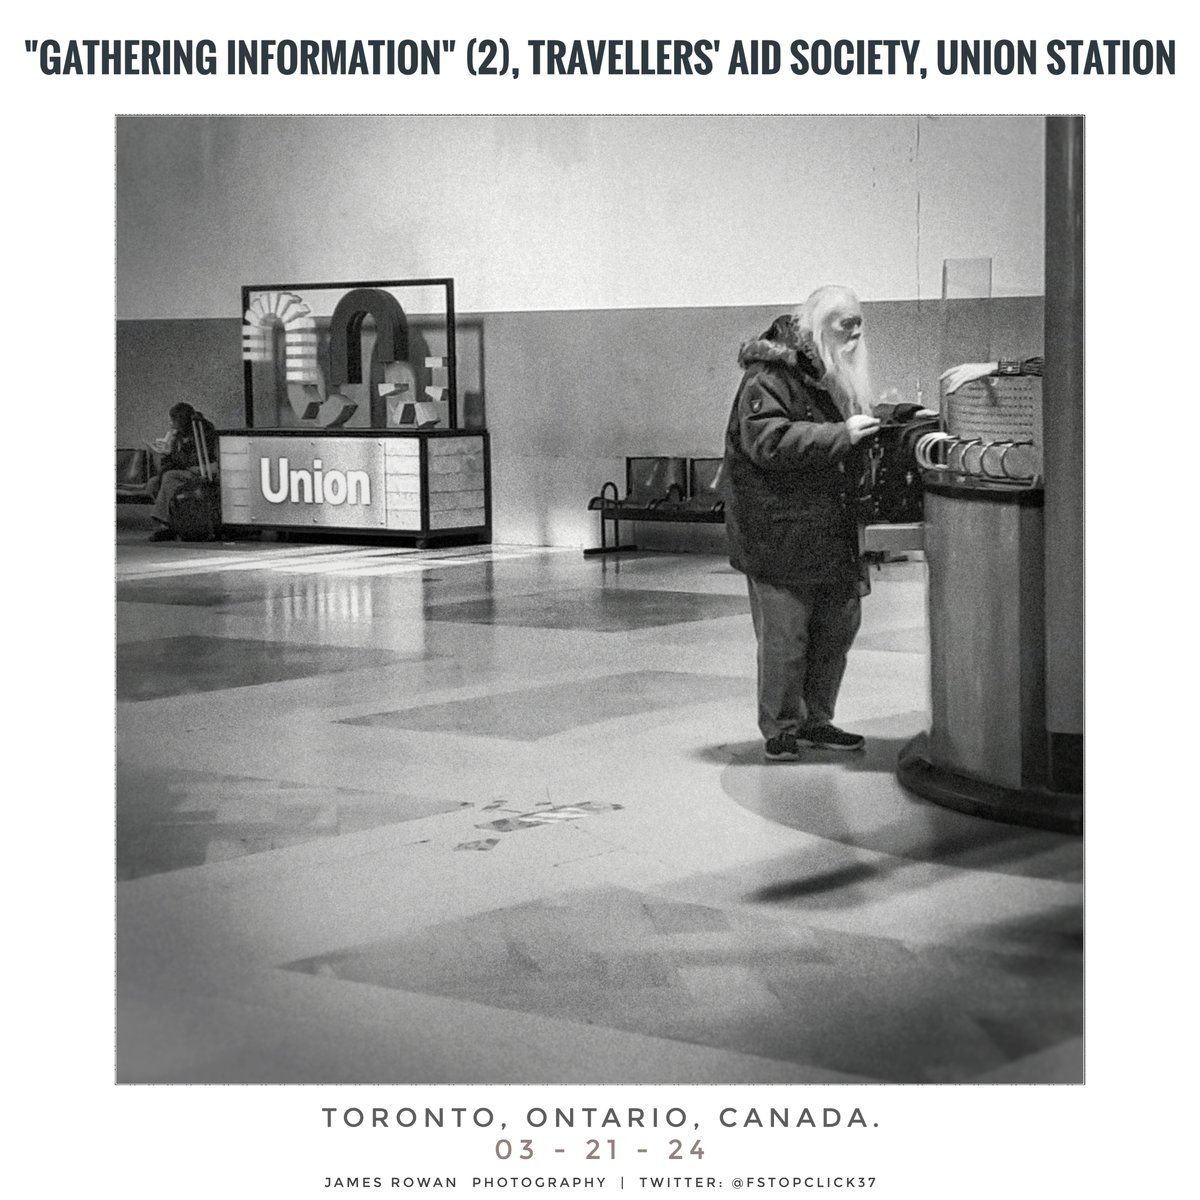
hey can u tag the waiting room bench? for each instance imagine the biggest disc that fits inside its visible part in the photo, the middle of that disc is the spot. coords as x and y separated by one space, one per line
688 490
659 488
133 476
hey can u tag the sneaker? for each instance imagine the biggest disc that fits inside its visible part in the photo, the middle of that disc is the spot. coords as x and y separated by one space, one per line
782 748
163 535
830 737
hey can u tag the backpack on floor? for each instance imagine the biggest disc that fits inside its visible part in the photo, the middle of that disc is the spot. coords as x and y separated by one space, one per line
196 507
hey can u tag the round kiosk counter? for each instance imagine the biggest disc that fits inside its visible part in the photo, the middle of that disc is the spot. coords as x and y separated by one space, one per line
985 752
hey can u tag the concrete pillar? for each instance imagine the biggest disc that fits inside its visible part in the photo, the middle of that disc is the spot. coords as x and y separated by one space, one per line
1063 439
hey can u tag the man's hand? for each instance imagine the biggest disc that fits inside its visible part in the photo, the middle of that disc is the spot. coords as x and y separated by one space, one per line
966 373
860 426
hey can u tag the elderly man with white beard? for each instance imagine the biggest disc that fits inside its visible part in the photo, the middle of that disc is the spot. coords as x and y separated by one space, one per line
803 406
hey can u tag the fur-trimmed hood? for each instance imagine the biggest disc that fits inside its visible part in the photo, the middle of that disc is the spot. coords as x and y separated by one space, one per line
783 343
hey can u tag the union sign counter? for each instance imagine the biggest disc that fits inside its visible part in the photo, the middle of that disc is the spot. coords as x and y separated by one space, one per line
419 484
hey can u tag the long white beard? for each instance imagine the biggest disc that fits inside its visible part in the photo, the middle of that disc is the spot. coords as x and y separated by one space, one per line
848 376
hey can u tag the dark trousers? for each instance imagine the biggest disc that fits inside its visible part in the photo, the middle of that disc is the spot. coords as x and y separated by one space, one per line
163 488
804 634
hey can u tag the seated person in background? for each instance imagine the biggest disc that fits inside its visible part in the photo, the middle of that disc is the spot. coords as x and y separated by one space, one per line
179 465
964 373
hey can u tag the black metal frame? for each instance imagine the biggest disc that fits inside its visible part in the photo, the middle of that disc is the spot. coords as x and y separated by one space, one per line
425 534
611 507
130 495
446 283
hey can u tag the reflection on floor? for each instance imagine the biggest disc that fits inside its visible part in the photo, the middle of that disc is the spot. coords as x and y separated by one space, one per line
588 609
500 815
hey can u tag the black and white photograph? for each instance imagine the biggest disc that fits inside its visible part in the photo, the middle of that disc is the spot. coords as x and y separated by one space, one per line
634 535
607 609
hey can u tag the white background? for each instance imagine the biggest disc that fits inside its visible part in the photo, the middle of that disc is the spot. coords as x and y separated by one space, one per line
1126 1130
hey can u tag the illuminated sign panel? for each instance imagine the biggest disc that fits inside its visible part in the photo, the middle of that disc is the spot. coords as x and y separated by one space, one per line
313 482
400 483
315 486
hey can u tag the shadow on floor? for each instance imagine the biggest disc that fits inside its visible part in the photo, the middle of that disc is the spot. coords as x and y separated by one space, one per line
924 836
879 755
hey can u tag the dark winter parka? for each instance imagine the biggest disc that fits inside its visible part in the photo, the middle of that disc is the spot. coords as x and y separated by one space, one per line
185 456
789 469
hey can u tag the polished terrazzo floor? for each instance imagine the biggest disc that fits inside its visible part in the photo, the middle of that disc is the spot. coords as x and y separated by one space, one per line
499 814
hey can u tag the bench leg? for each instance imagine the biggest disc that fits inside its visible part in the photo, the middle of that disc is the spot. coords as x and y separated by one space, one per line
604 547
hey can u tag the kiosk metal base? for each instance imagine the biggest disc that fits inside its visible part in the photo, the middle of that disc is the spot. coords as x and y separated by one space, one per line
1061 812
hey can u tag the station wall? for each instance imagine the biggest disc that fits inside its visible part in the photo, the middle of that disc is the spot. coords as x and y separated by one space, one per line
606 268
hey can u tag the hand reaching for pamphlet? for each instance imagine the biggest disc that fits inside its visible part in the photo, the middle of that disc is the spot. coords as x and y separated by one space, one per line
955 377
860 426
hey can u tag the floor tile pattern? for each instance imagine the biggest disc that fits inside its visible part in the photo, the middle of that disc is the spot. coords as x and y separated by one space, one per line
736 980
500 814
169 819
161 667
616 611
531 714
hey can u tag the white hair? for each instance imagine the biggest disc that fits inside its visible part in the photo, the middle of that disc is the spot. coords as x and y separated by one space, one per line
847 367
